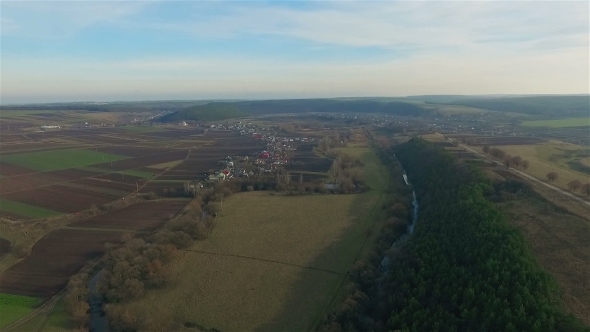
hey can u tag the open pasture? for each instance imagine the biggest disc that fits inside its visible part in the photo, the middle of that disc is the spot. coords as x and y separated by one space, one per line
553 156
142 216
54 258
13 307
266 254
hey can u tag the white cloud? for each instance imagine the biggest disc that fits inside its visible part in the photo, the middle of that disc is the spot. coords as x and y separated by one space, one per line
390 24
63 19
455 48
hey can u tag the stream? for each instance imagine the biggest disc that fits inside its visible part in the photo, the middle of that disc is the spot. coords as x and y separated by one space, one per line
409 231
98 320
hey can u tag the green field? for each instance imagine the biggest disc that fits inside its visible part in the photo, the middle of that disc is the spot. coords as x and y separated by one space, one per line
57 321
272 262
13 307
25 210
60 159
561 123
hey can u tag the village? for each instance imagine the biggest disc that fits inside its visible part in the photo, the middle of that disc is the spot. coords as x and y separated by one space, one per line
277 152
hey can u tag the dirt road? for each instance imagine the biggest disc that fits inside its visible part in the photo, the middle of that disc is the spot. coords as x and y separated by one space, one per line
532 178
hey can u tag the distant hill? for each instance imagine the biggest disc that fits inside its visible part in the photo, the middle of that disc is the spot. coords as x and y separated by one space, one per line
225 110
547 106
208 112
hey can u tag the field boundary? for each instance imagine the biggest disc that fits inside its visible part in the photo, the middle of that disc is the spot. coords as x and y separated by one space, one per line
267 260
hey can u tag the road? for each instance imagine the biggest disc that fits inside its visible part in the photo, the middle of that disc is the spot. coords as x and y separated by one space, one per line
532 178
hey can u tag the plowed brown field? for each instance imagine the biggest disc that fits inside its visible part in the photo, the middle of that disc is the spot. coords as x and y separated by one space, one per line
54 258
142 216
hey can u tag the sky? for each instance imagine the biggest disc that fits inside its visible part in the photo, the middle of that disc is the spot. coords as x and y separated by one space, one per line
150 50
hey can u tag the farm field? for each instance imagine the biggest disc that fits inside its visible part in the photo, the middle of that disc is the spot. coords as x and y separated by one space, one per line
560 123
141 216
261 247
551 156
25 210
13 307
57 321
60 159
54 258
265 256
43 179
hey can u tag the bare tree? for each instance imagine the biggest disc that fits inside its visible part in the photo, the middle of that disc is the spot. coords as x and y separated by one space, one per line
574 184
525 164
586 189
486 149
516 161
552 176
507 160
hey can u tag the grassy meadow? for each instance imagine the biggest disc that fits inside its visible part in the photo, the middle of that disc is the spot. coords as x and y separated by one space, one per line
60 159
551 156
272 262
560 123
559 240
14 307
55 321
25 210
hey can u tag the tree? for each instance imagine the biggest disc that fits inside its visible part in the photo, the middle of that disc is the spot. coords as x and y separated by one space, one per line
507 160
516 161
525 164
486 149
574 184
552 176
586 189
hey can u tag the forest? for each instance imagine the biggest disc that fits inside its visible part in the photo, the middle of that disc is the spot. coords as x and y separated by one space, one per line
464 268
226 110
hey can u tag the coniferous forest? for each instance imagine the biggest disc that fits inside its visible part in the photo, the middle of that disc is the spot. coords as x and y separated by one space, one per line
465 268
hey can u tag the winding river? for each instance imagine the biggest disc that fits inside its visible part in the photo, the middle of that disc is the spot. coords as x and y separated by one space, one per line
386 260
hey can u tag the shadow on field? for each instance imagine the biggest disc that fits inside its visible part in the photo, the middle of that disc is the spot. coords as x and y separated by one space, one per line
314 292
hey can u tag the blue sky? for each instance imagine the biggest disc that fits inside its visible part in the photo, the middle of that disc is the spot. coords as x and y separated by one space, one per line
124 50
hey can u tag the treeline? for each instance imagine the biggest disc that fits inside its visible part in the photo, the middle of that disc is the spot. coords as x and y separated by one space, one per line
366 297
135 265
464 268
506 158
